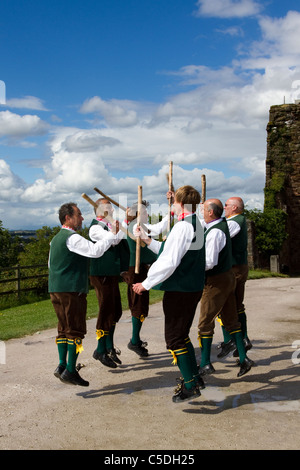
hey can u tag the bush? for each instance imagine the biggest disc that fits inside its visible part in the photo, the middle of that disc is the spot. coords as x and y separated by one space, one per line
270 228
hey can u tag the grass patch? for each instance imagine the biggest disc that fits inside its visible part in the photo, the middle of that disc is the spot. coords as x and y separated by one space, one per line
260 274
27 319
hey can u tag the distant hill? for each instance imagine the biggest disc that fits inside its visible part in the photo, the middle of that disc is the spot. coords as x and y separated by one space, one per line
24 234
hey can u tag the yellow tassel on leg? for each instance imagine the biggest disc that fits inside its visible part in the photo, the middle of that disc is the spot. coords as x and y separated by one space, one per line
79 347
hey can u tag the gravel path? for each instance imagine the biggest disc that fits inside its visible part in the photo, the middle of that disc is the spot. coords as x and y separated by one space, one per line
130 408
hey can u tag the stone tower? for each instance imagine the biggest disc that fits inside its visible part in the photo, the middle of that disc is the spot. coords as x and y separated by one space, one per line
282 188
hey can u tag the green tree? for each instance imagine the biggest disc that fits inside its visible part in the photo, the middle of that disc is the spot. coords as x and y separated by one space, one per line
270 228
36 254
9 247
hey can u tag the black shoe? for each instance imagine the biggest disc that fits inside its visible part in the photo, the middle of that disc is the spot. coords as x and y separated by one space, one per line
226 348
238 363
73 378
138 348
247 344
59 370
112 354
186 394
104 359
206 370
245 367
200 382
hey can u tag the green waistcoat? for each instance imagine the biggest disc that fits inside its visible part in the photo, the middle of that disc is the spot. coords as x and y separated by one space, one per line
109 263
240 242
225 256
189 276
68 271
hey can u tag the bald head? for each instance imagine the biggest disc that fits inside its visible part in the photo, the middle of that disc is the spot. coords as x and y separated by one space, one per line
234 205
213 209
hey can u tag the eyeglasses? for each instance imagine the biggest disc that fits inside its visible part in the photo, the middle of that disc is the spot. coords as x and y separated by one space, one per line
228 205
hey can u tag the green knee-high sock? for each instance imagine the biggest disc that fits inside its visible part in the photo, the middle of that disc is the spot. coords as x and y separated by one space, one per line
136 328
243 321
110 338
205 345
192 355
62 346
72 356
186 368
101 344
238 339
226 335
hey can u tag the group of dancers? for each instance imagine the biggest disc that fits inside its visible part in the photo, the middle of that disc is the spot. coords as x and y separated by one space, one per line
202 260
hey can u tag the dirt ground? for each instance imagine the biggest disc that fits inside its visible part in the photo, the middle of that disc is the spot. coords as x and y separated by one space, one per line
131 408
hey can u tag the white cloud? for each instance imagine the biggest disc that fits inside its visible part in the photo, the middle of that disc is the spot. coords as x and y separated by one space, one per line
281 35
115 112
228 8
88 141
216 125
16 126
11 186
27 102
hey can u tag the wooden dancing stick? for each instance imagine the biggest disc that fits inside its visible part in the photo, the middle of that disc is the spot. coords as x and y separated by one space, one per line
203 185
110 219
88 199
171 188
110 199
138 240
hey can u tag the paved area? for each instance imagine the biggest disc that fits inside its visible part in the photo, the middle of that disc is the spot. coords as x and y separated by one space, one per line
131 407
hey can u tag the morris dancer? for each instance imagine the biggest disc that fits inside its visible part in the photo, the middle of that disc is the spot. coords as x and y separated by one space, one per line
138 304
236 220
68 286
104 277
218 294
179 272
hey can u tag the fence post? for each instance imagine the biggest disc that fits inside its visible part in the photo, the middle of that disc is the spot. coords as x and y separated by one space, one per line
18 283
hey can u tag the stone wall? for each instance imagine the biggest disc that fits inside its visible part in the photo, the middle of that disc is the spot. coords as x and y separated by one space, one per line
282 188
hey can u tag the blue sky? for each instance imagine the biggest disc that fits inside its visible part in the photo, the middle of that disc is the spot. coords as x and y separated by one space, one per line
106 92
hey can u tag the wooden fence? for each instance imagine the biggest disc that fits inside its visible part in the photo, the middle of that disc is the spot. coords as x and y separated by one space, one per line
19 278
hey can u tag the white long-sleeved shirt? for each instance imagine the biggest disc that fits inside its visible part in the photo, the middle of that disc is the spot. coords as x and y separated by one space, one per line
233 226
176 246
159 227
214 243
80 245
155 229
97 232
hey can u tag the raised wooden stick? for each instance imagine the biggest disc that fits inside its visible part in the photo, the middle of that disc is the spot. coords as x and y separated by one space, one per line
203 185
138 240
111 220
110 199
88 199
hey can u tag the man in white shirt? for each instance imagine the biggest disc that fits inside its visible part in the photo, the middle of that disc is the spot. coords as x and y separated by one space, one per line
218 295
68 288
104 277
179 272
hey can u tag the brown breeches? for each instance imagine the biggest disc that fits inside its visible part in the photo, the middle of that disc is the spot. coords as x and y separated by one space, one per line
179 310
70 308
138 304
109 300
218 299
241 276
